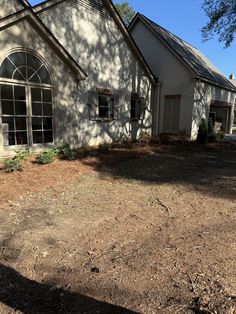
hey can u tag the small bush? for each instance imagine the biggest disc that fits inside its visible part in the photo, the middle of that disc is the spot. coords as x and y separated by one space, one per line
104 147
66 152
212 138
22 154
220 135
12 165
47 156
202 136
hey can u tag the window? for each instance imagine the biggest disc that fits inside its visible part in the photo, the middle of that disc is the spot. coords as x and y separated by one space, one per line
25 101
101 103
171 113
234 123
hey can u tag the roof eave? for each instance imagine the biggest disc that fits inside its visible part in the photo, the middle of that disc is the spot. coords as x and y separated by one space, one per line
201 78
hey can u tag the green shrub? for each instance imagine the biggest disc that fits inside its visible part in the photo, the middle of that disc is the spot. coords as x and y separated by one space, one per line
46 156
22 154
104 147
212 138
66 152
202 132
220 135
12 165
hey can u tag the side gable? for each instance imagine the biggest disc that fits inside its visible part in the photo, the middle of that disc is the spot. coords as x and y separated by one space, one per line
49 12
28 14
186 53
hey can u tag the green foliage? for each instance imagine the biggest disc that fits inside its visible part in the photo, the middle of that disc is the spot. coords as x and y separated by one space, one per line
126 12
104 147
12 165
22 154
46 156
202 132
66 152
221 20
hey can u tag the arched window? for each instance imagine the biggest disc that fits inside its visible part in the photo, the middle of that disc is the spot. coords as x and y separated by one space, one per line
26 105
24 66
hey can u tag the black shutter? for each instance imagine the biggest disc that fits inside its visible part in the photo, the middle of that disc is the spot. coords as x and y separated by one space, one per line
116 106
142 107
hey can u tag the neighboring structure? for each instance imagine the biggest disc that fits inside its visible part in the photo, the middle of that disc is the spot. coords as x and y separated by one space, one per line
70 73
191 86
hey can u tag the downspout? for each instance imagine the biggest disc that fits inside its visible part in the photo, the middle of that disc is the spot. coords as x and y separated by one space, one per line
158 107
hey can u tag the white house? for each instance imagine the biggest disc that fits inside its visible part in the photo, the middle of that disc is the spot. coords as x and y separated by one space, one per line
191 86
70 73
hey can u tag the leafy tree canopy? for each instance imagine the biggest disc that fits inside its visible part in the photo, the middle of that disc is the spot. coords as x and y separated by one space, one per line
222 20
126 12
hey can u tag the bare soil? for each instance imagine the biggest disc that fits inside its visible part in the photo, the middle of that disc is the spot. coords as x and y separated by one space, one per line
143 230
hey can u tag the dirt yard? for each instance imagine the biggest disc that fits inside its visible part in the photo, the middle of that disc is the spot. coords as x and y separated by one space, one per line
146 230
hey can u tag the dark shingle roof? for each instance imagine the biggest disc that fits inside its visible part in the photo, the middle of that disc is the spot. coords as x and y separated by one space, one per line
192 56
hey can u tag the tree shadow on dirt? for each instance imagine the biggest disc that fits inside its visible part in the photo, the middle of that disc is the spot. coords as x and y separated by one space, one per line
208 169
31 297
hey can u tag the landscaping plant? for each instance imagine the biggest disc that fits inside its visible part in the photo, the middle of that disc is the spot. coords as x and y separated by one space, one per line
12 165
66 152
202 136
47 156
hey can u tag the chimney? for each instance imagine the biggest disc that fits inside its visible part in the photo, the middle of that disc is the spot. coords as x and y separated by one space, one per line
231 77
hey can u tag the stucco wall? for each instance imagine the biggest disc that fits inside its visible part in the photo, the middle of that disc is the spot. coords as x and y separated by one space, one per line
101 50
172 74
204 94
91 36
9 7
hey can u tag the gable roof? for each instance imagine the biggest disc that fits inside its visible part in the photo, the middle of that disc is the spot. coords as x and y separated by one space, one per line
108 4
28 13
190 55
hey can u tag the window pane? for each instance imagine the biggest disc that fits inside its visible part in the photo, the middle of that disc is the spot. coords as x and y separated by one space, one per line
9 139
104 103
47 109
20 108
47 95
19 92
36 94
6 92
47 123
48 137
37 109
33 62
37 123
18 76
37 137
23 71
18 58
21 138
44 75
21 124
35 79
7 107
8 124
7 69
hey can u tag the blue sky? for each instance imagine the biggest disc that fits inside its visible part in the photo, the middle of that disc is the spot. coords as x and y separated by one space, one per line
185 18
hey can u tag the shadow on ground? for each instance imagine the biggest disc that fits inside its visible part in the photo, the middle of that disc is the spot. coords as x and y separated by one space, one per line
210 169
31 297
